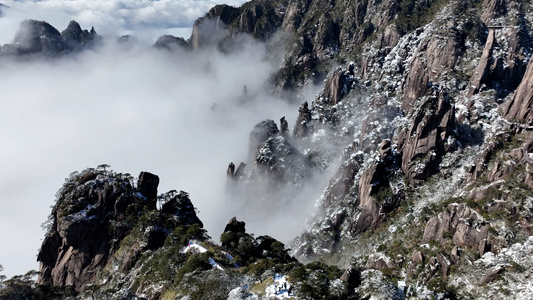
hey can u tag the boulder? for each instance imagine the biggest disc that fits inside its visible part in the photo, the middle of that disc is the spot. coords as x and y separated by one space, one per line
147 185
491 275
484 247
456 252
417 257
377 262
351 277
303 122
235 226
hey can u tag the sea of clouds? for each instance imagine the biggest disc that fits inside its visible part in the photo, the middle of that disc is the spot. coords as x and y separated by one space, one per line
180 115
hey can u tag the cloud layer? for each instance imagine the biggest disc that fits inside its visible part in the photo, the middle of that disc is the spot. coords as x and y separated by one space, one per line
137 109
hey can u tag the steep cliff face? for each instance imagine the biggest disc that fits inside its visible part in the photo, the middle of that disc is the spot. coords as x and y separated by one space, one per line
94 212
428 106
443 83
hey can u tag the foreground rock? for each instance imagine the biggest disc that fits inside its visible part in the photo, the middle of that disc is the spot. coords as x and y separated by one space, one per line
95 210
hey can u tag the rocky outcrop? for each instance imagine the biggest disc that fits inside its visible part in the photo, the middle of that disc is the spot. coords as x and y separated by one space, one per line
284 127
436 263
433 57
261 133
257 19
343 183
148 184
78 39
180 206
493 9
171 43
339 84
303 122
491 275
481 161
372 180
210 29
38 38
249 18
519 107
376 196
482 71
235 226
278 162
460 223
505 70
94 212
429 137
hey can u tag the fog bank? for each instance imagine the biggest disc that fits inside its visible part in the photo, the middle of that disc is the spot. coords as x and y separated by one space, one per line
177 115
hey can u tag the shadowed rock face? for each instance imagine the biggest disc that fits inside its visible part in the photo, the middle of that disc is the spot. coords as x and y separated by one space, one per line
505 71
171 43
38 38
302 126
261 133
78 39
519 107
275 161
147 184
94 212
235 226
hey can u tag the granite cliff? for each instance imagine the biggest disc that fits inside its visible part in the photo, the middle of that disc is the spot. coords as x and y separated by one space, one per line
423 119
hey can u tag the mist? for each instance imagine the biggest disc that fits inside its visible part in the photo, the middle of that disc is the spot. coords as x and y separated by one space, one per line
178 115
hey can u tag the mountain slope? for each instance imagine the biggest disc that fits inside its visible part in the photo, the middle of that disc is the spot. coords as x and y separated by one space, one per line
427 104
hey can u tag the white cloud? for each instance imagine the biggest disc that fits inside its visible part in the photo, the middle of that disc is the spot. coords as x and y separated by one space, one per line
138 110
109 17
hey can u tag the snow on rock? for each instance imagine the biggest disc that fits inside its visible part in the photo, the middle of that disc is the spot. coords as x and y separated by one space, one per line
193 246
279 289
514 263
375 286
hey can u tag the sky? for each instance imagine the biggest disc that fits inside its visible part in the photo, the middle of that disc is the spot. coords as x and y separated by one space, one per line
176 115
147 19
